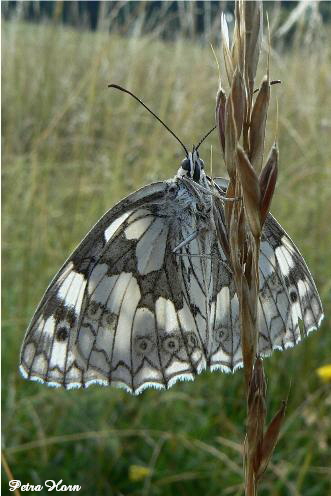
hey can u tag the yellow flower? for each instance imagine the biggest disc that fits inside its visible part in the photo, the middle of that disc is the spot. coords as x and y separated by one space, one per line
324 373
137 472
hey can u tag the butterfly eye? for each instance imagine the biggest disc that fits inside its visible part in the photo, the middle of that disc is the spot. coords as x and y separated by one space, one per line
185 164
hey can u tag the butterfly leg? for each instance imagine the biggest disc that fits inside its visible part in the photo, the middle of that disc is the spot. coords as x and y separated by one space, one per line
186 241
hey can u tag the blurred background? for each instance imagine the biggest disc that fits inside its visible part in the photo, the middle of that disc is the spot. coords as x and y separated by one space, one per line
72 148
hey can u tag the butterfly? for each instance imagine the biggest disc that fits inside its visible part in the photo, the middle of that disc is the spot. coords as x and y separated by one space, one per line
148 297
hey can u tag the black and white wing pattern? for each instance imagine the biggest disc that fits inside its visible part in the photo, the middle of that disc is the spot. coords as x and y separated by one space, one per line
288 297
124 309
148 297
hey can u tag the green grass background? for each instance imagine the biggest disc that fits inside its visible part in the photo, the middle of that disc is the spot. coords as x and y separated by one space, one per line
71 149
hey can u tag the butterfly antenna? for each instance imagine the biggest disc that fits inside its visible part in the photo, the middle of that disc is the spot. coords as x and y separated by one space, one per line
206 136
116 86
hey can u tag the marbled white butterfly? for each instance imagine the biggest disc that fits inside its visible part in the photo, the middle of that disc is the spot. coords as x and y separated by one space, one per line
148 296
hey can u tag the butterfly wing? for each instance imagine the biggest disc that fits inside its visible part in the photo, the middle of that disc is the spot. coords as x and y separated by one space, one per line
288 296
130 310
289 307
117 313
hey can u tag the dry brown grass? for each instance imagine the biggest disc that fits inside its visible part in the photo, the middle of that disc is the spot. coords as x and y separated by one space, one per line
241 122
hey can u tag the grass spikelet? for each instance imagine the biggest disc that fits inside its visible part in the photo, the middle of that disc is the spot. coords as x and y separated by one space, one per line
258 124
267 180
253 39
242 140
220 116
251 191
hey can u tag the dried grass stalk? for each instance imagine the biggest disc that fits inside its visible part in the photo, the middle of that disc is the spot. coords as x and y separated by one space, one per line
241 122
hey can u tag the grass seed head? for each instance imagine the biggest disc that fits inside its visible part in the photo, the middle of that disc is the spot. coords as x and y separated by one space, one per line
270 439
238 96
230 137
251 191
220 116
267 180
253 38
258 125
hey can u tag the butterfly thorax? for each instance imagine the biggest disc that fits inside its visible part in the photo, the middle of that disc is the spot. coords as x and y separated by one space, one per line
187 208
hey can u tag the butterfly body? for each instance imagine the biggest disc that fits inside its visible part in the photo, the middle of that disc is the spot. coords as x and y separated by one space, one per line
148 296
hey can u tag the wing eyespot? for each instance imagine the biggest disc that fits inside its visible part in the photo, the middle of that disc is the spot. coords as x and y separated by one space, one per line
144 345
62 334
219 334
293 296
171 344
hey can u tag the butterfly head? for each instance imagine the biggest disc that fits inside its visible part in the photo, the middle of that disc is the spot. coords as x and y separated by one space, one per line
192 166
